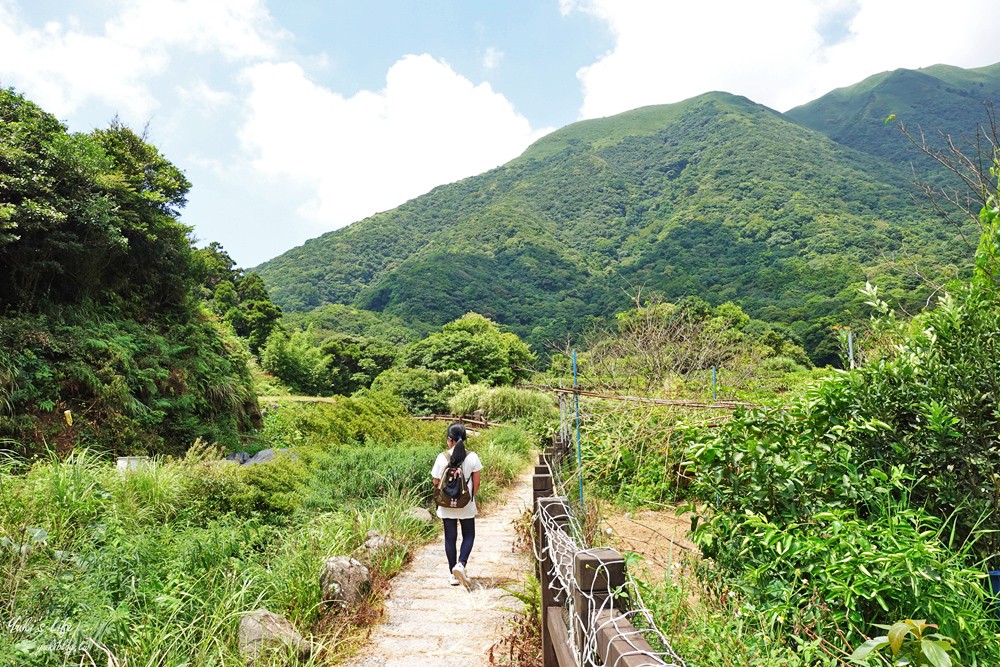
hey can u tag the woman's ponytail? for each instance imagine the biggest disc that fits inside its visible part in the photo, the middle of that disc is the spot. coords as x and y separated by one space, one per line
457 434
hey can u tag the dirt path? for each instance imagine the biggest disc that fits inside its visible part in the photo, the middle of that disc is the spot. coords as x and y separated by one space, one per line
431 624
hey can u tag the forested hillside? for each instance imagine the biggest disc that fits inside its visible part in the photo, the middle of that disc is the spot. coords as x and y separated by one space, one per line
103 339
935 100
715 197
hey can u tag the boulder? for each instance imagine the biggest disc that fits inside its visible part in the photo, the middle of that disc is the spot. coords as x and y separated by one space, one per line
264 634
263 456
419 514
376 541
344 581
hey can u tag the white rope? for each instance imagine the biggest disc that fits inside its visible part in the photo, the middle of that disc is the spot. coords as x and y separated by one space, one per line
564 533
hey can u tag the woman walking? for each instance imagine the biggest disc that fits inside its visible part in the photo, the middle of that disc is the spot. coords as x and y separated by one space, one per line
453 516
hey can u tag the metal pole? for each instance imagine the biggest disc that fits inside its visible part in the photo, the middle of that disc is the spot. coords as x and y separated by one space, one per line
715 393
579 456
850 346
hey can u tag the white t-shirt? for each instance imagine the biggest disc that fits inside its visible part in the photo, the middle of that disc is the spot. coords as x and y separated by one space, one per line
470 465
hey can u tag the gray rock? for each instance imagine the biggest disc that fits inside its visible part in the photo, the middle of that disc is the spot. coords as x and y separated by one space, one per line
263 456
344 581
264 634
375 542
419 514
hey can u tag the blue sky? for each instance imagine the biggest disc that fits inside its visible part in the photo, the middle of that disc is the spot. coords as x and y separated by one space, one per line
292 118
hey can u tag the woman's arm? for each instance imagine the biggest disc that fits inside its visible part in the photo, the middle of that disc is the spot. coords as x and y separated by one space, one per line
475 483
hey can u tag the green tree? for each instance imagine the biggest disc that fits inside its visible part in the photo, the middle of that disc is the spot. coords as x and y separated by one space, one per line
357 361
421 391
297 362
475 345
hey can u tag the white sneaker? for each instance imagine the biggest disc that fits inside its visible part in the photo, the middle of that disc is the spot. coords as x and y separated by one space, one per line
458 572
453 581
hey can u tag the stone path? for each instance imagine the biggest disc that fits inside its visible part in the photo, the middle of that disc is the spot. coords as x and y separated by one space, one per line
431 624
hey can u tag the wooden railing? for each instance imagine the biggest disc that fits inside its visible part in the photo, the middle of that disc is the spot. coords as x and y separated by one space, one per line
584 604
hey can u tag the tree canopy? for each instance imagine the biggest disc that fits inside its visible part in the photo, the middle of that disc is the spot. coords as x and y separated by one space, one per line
475 345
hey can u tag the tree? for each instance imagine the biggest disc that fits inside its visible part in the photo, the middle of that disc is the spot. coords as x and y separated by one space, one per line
297 362
475 345
357 361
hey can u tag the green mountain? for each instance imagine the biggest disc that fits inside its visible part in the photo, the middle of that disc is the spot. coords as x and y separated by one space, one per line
937 100
716 196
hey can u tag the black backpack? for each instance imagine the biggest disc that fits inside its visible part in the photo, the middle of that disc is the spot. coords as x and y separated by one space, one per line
453 490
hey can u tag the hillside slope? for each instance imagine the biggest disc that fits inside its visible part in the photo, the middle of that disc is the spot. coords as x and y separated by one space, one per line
716 196
940 99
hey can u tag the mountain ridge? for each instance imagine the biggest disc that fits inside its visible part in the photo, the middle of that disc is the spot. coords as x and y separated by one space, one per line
716 196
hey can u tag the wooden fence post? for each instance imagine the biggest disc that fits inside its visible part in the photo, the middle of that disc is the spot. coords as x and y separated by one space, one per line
552 598
598 574
541 486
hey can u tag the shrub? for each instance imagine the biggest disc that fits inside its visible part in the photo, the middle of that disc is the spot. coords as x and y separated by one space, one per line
503 404
421 391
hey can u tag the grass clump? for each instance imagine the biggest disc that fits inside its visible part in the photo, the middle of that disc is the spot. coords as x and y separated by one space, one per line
156 565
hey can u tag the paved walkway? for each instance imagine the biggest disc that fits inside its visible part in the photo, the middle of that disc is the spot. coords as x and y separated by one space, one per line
431 624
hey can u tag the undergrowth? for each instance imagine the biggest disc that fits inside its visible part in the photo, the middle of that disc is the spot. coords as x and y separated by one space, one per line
156 565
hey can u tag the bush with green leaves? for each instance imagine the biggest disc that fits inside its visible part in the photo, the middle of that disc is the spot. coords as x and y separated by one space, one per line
421 391
297 362
476 346
99 297
153 565
133 387
504 404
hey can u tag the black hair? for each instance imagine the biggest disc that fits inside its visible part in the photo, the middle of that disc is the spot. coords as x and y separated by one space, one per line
457 433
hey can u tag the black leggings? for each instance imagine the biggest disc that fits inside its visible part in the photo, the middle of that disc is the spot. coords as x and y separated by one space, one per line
451 536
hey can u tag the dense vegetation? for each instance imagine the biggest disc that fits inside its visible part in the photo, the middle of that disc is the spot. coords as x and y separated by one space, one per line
867 498
99 311
424 374
715 197
937 99
154 566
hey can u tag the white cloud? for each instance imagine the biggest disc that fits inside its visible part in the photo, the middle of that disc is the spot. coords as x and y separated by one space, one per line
492 58
202 96
375 150
237 29
64 67
777 53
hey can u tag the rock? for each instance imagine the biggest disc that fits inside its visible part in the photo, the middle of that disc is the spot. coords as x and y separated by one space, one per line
263 456
419 514
264 634
344 581
376 541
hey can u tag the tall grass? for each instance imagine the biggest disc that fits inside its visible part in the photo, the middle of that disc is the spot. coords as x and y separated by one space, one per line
503 404
155 566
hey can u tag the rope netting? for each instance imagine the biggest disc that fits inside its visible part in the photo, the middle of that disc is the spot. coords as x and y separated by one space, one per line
604 614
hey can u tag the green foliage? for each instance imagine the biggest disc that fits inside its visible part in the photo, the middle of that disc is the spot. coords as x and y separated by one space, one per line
474 345
715 197
133 387
297 362
421 391
87 216
334 320
96 307
504 404
237 298
657 345
153 565
910 644
356 362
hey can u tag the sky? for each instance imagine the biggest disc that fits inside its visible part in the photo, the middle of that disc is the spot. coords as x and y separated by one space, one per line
292 118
